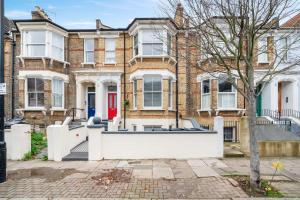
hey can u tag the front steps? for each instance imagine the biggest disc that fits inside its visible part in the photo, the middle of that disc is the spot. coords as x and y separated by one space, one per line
78 153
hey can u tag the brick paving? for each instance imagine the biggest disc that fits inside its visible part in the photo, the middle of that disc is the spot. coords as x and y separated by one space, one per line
177 180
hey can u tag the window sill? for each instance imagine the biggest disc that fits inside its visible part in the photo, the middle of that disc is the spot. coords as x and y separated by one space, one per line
88 63
141 57
239 110
153 109
34 109
109 63
43 57
58 110
204 110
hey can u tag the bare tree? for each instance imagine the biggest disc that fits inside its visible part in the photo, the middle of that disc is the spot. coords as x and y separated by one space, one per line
228 34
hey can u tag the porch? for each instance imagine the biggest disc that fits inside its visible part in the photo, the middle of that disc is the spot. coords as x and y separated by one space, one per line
98 94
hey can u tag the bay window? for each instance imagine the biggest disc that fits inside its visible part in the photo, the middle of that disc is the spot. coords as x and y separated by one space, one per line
89 50
134 93
110 50
226 95
152 92
152 44
205 94
35 43
170 95
136 44
35 92
57 93
40 43
57 46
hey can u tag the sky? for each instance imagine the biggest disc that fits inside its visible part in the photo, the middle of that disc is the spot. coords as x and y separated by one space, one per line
83 13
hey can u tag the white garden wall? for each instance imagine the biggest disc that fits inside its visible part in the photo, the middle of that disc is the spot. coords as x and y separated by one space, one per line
18 141
61 140
151 145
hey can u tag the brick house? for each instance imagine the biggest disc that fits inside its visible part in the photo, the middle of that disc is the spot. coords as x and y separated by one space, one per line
144 73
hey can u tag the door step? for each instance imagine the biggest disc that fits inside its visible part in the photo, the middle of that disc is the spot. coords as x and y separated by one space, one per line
76 156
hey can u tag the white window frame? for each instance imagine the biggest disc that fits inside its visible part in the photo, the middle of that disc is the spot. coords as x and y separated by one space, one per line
134 92
26 43
110 51
262 50
27 96
162 100
163 42
62 94
206 94
170 94
285 49
61 48
234 91
89 50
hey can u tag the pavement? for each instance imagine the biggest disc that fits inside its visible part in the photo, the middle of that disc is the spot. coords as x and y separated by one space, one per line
142 179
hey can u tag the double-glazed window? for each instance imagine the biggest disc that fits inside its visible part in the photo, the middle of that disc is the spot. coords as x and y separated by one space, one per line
35 92
57 93
262 50
136 44
152 42
152 92
35 43
89 50
134 93
205 94
110 50
38 43
57 46
170 95
226 95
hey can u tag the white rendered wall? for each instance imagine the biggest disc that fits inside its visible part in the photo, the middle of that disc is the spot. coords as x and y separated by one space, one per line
18 141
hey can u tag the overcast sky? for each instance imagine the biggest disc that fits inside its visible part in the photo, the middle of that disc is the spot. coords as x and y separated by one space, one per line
83 13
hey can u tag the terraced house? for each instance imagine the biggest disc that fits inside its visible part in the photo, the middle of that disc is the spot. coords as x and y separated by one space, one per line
147 75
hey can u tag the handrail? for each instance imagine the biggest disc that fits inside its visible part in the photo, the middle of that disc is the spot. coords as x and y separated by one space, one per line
71 112
282 113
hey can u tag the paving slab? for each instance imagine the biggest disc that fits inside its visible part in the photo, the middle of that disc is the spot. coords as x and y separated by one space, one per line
162 162
213 162
163 172
183 173
124 164
196 163
204 171
275 178
142 173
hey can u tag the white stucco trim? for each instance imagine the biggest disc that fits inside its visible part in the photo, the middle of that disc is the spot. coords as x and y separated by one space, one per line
215 75
44 74
164 73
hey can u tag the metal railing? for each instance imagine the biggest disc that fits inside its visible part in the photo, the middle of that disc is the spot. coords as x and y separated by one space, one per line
275 114
283 124
71 112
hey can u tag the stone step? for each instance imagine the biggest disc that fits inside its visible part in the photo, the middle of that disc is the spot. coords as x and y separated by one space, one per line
76 156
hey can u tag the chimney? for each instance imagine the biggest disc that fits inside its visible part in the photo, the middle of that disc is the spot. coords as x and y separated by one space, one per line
99 24
39 13
179 20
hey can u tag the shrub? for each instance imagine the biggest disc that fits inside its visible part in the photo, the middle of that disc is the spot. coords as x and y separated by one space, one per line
27 156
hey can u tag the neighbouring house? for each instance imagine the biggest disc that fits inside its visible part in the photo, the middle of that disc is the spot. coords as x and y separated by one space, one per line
145 74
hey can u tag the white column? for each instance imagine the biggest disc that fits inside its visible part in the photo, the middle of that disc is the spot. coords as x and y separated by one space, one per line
219 127
99 99
79 93
119 104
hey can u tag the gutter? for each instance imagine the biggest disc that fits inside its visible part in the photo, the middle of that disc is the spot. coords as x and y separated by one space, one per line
13 44
177 113
124 78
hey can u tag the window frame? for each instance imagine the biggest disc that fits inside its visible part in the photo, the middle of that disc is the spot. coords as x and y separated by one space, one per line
134 93
205 94
62 94
27 104
109 51
85 51
170 94
161 91
26 43
136 44
62 48
234 91
153 42
262 57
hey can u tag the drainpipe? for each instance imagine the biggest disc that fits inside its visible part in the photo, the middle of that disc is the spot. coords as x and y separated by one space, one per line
13 44
176 68
124 78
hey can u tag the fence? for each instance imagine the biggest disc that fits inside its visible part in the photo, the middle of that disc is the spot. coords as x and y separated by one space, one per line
275 114
231 130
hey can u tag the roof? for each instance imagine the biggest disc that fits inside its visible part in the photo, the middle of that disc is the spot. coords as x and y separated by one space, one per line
293 22
106 28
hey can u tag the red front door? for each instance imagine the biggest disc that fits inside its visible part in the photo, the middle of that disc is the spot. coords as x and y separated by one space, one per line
112 105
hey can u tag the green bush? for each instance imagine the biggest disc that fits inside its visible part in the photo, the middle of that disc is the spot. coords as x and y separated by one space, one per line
38 142
27 156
